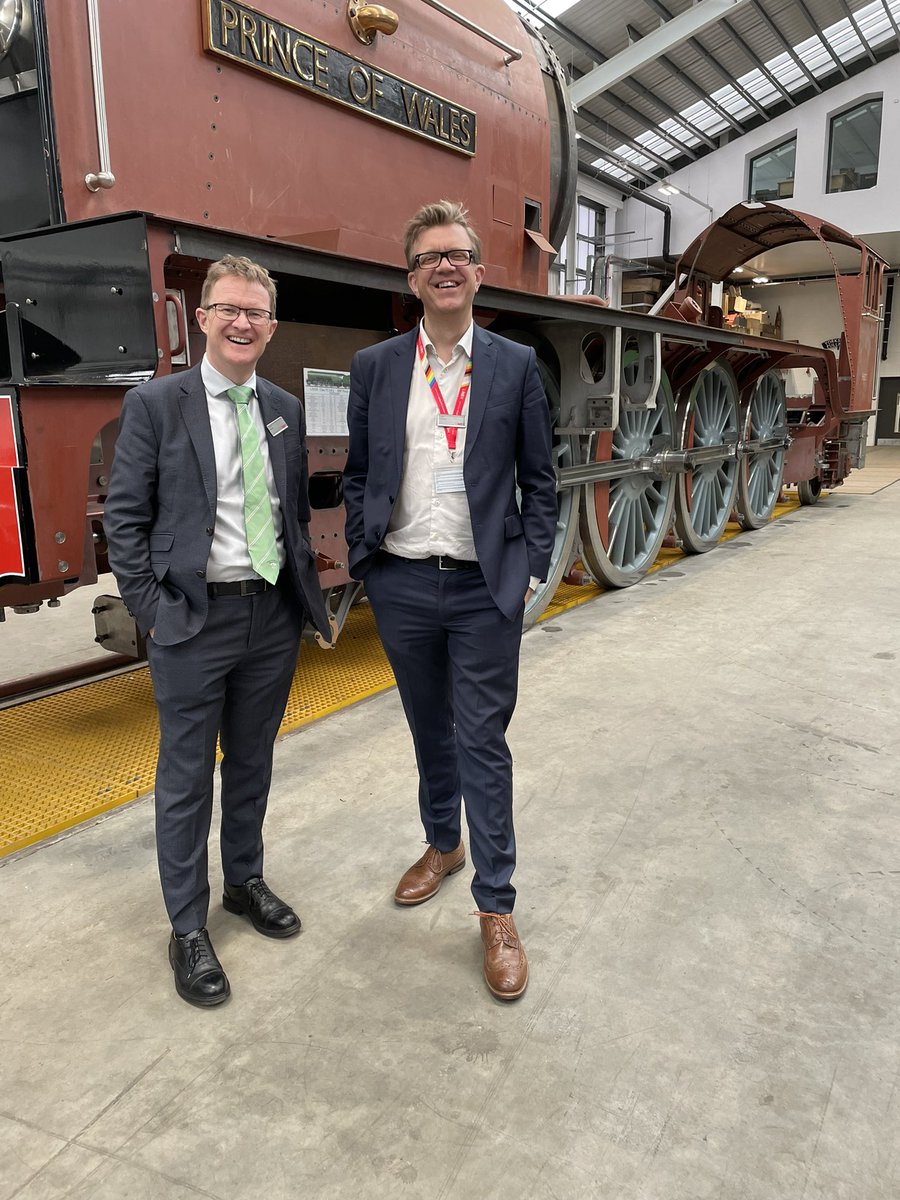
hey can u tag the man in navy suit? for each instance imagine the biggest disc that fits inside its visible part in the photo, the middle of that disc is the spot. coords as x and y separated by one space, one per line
451 507
207 524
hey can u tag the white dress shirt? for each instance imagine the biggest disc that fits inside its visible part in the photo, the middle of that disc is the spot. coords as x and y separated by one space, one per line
229 558
425 521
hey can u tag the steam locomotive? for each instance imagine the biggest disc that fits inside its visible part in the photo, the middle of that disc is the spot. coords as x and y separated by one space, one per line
141 142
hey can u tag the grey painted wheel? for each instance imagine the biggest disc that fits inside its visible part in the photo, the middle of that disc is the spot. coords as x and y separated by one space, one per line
704 494
760 473
624 521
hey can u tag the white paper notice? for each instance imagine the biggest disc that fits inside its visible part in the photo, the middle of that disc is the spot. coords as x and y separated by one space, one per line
325 397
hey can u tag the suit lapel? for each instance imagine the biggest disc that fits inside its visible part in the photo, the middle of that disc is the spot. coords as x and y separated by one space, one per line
270 409
401 367
484 362
194 411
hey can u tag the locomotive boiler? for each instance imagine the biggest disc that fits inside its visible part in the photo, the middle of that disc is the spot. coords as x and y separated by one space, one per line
140 143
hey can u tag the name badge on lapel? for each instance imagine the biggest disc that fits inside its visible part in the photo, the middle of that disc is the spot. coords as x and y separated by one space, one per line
279 425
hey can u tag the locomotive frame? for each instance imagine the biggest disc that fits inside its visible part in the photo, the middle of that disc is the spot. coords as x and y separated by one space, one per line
664 425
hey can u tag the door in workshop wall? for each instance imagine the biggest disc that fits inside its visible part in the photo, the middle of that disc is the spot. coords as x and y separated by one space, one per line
887 422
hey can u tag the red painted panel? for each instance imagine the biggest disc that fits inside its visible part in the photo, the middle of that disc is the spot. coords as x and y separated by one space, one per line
12 557
205 140
9 453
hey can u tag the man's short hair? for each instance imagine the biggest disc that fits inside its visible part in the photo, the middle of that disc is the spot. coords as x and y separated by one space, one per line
244 268
444 212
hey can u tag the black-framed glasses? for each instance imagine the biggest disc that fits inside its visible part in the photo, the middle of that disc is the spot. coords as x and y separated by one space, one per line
430 258
231 312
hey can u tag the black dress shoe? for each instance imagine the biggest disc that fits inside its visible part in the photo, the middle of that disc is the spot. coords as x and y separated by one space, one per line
254 899
199 977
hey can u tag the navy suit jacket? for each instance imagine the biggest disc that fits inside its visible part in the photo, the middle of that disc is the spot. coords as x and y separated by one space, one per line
160 513
507 447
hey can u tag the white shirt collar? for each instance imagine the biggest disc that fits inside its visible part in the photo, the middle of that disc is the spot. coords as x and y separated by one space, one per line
218 384
465 342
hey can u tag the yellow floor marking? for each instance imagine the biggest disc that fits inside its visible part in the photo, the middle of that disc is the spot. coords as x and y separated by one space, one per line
70 757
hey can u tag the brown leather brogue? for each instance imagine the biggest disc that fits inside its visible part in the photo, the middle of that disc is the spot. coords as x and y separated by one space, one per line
424 878
505 964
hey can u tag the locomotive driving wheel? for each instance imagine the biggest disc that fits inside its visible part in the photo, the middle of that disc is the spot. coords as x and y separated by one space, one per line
761 469
625 518
708 427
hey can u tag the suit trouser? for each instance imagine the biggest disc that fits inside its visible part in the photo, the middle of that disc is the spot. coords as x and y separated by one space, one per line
455 657
231 681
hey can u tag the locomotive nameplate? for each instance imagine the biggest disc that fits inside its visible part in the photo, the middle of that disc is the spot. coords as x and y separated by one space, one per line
247 36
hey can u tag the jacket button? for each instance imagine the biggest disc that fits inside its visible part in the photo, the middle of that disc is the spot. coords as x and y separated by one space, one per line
391 499
210 530
202 574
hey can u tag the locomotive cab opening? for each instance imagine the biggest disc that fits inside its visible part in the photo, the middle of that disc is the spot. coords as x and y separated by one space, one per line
29 192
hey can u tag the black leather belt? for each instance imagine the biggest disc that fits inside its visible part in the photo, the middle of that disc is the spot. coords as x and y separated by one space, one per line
240 587
442 561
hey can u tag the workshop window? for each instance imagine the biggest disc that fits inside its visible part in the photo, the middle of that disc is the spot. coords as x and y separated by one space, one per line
853 146
772 173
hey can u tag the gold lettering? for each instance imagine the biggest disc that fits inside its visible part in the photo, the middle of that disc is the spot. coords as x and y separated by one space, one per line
409 103
300 44
376 91
454 126
444 132
430 117
421 108
284 52
465 121
320 67
229 21
358 78
248 34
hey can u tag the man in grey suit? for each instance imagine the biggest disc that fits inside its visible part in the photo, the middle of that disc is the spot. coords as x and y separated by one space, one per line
207 524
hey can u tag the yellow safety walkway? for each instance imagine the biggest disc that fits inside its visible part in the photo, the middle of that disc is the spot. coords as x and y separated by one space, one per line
70 757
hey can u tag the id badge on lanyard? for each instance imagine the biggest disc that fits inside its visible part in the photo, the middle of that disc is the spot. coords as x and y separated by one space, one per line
450 422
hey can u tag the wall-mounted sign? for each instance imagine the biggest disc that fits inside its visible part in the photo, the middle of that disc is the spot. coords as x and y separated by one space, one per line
249 37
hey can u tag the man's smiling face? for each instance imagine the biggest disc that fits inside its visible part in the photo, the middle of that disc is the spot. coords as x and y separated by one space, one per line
235 347
445 290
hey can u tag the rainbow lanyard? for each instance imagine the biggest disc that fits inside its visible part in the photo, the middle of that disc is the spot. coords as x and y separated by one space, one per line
449 430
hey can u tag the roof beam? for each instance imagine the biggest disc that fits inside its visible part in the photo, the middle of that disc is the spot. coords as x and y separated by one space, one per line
856 29
823 41
671 34
611 131
788 48
890 17
704 55
675 140
615 160
685 80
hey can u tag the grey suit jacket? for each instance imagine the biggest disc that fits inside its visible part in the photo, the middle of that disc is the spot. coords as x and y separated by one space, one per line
160 512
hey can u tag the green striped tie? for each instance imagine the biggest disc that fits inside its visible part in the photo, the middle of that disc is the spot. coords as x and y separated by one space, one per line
257 503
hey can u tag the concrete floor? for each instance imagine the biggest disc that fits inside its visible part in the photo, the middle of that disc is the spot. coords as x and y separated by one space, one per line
709 893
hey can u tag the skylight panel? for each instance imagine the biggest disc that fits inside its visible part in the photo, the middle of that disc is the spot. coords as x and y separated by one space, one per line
609 168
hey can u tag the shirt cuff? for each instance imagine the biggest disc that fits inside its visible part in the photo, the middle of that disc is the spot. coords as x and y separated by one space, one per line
533 582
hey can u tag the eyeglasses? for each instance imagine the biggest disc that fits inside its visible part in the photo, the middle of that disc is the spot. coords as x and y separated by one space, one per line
431 258
231 312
